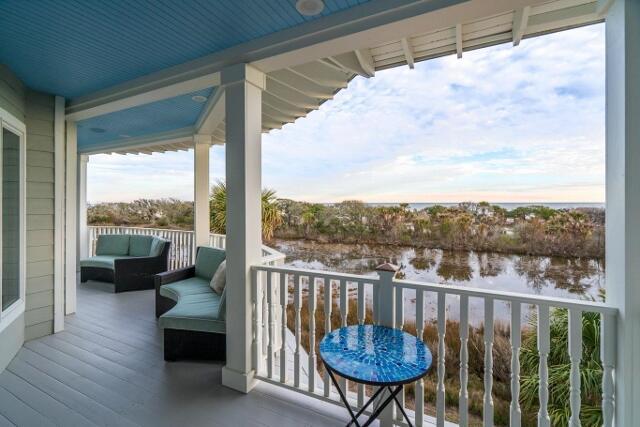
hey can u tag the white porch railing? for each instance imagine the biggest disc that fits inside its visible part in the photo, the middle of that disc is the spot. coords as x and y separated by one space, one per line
374 291
181 252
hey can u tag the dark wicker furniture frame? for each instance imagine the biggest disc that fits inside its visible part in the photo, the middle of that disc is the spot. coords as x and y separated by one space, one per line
130 274
184 344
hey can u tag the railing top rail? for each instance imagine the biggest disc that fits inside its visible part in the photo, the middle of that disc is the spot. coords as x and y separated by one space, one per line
509 296
317 273
140 228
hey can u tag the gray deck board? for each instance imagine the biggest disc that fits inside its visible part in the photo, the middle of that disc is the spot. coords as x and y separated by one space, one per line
107 369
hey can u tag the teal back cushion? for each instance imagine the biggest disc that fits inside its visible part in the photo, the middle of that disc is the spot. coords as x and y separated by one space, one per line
157 245
208 260
140 245
112 244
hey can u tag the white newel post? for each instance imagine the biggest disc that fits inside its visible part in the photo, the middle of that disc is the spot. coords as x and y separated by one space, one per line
243 111
201 145
83 230
623 199
387 306
71 213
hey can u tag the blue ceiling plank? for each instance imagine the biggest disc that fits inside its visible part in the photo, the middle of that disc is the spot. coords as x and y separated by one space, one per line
156 117
76 47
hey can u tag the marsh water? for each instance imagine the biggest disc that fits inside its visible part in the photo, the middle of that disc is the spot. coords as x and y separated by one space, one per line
578 278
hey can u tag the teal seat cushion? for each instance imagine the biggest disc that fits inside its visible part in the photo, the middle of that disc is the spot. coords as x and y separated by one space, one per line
157 245
140 245
112 244
101 261
207 261
190 286
197 312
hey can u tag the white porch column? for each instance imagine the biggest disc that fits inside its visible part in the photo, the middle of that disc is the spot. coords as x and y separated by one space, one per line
83 230
201 145
71 213
623 199
243 111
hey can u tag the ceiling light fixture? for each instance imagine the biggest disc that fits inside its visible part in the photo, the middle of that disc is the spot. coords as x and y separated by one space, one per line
199 98
309 7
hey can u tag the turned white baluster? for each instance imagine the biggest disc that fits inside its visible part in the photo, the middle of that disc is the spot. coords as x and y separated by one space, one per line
440 394
487 413
608 356
297 304
257 324
400 325
328 302
271 327
344 312
362 312
575 356
419 393
543 370
312 334
514 411
265 316
284 288
463 400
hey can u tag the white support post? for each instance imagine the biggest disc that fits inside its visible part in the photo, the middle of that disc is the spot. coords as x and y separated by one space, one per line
201 144
71 213
623 199
243 110
385 295
59 221
83 230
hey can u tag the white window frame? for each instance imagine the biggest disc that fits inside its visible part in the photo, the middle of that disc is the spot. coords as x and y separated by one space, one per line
16 126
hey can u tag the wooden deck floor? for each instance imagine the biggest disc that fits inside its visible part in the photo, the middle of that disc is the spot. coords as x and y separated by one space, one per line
107 369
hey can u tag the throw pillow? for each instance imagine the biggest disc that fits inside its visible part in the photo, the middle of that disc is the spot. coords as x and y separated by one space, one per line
219 279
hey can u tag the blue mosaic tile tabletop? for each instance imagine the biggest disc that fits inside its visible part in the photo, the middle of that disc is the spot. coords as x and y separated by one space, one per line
375 355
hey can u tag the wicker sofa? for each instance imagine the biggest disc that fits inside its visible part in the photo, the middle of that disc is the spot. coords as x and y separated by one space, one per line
191 314
128 261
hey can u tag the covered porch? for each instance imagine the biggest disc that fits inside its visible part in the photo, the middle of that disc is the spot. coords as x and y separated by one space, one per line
232 96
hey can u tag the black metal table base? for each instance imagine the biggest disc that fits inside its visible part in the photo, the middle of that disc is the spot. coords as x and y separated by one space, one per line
393 395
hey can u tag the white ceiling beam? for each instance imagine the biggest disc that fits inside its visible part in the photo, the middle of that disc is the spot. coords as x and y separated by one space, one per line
567 17
366 61
520 20
459 40
408 52
289 95
602 7
350 64
134 94
130 144
322 74
301 84
213 113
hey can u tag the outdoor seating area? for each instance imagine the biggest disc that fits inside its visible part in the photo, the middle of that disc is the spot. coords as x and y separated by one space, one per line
190 312
129 262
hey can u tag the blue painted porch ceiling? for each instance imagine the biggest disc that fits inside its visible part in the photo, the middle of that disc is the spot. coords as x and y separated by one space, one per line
160 116
75 47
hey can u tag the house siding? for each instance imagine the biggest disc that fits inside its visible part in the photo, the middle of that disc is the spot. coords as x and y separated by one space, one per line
39 117
36 110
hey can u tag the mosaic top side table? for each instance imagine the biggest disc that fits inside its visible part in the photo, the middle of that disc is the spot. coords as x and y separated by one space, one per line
374 355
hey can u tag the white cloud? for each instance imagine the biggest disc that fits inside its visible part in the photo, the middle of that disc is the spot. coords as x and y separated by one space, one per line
502 123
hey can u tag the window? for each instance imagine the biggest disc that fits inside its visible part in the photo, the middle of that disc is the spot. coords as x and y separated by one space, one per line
12 222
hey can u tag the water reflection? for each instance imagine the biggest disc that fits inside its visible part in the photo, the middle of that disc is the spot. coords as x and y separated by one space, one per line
562 277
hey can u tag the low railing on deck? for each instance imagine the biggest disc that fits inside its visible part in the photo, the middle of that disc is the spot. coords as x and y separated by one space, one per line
181 252
365 290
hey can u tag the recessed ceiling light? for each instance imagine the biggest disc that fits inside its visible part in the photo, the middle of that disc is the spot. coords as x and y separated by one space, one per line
124 135
199 98
98 130
309 7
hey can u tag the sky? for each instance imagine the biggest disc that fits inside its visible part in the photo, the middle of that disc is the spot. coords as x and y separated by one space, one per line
501 124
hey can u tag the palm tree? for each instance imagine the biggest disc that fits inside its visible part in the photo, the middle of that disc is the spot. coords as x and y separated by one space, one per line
271 214
560 368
